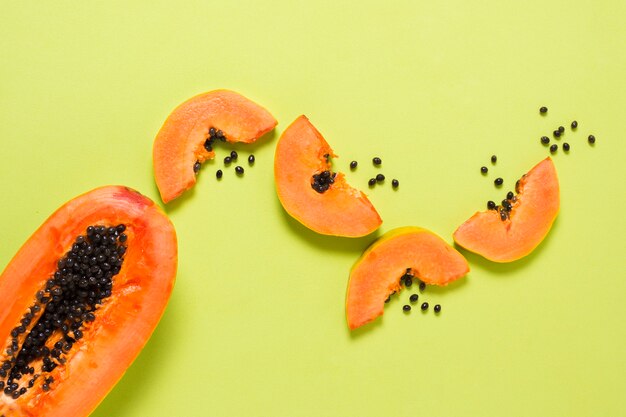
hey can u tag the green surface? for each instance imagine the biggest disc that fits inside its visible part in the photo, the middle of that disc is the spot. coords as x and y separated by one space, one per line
256 323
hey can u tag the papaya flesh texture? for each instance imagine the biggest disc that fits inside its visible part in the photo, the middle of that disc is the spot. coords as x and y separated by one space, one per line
180 144
72 315
505 236
314 195
377 273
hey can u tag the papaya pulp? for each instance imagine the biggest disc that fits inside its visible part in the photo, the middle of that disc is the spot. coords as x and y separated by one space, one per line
187 137
79 301
311 193
408 250
514 229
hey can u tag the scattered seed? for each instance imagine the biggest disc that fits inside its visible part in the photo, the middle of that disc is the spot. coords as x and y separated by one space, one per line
493 159
574 124
371 182
424 306
556 133
510 195
196 167
498 181
437 308
491 205
484 170
591 139
377 161
543 110
233 156
207 145
406 307
566 147
251 160
408 281
545 140
553 148
413 298
422 286
561 129
353 164
395 183
227 160
219 173
380 178
239 170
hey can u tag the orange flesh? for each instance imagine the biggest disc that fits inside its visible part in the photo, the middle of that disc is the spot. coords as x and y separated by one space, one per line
377 273
530 220
341 210
123 323
180 142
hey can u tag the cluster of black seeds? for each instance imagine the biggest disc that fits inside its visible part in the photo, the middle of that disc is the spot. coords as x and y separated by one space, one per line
559 132
506 205
214 136
407 280
322 181
51 326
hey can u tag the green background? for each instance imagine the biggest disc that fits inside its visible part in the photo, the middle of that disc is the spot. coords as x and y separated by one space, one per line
256 325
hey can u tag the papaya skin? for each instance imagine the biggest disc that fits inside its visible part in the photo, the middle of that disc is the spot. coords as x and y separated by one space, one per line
376 274
180 141
341 210
533 212
125 320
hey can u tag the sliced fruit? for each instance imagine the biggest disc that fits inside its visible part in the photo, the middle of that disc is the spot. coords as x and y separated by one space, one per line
186 139
311 193
80 299
407 250
512 230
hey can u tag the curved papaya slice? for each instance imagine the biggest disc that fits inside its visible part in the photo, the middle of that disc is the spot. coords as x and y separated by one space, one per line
407 250
187 136
80 299
515 228
314 195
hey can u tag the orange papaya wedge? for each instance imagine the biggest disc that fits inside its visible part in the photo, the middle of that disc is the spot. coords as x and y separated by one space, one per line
515 228
186 138
406 250
314 195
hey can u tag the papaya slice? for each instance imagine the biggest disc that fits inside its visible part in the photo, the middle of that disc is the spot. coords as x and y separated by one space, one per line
186 139
80 299
406 251
311 193
514 229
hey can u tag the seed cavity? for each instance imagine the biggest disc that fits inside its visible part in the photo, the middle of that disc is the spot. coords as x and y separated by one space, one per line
321 182
67 302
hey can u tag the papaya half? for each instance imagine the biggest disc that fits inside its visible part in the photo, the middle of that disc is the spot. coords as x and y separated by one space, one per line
515 228
411 251
314 195
186 138
79 301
